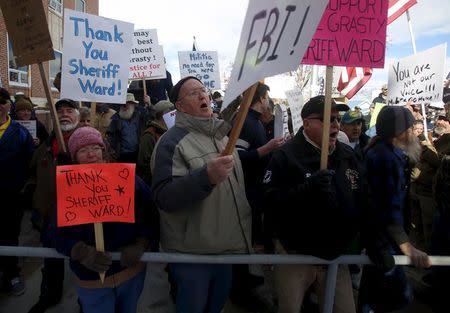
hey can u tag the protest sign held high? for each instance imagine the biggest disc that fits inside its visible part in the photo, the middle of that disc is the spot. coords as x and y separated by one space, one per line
93 193
281 128
417 78
28 30
351 33
146 58
95 61
202 64
273 40
295 100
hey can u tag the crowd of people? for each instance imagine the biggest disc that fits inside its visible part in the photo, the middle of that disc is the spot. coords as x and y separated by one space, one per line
380 196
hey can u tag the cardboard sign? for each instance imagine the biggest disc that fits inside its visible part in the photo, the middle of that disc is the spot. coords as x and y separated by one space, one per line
95 62
92 193
274 38
146 58
202 64
27 28
417 78
169 118
295 100
30 125
281 128
351 33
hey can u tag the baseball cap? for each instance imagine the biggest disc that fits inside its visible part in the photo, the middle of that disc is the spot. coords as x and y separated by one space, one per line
316 104
67 103
130 98
351 116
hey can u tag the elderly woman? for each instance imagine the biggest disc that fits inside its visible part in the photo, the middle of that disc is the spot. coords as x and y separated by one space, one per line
24 112
124 280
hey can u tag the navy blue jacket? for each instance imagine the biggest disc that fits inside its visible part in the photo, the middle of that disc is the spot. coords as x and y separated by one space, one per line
117 235
16 150
304 219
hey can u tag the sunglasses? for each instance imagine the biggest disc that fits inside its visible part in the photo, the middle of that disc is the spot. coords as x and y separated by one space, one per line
333 119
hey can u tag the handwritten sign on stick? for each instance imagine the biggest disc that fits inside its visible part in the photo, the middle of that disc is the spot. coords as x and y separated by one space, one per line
201 64
273 40
351 33
93 193
295 100
417 78
146 58
27 28
95 60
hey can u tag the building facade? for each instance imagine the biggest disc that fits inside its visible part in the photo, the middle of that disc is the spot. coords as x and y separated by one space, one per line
27 79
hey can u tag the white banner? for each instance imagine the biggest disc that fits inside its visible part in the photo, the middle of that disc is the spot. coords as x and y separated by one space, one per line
146 58
273 40
201 64
417 78
169 118
95 60
30 125
281 128
295 100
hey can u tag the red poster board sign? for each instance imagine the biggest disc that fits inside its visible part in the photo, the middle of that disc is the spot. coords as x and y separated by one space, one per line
350 33
94 193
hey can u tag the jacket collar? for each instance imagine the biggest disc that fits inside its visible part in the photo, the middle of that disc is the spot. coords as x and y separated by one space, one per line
210 126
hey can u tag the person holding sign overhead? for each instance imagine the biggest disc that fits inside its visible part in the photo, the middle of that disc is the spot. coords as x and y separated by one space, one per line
201 198
312 211
124 279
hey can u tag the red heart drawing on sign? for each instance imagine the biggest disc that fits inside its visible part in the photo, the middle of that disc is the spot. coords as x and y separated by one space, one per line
70 216
124 173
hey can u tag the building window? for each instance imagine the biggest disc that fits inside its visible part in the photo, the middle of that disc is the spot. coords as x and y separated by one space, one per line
55 67
56 5
18 76
80 5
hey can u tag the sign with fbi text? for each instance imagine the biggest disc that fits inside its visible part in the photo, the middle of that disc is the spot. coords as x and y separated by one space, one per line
93 193
95 60
350 33
201 64
417 78
147 57
273 40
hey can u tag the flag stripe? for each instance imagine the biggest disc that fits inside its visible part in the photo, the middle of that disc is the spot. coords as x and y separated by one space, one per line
397 8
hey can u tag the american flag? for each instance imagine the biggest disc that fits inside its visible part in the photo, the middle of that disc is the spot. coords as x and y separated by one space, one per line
354 78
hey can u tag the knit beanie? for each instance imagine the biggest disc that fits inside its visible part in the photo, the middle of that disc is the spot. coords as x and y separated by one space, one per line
23 104
393 120
173 96
82 137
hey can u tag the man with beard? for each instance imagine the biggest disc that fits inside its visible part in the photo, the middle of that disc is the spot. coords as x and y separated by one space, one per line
125 130
390 156
43 169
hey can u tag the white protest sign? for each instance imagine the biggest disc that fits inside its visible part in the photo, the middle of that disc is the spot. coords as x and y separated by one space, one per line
281 128
417 78
146 58
295 100
30 125
201 64
169 118
95 60
273 40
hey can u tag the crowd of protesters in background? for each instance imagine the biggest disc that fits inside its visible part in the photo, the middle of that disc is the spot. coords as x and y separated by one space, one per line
381 196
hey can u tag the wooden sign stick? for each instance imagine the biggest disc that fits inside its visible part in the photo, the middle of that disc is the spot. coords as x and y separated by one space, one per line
99 243
326 119
51 105
240 119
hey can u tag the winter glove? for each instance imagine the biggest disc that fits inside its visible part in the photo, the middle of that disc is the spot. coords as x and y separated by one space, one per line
131 254
321 180
90 258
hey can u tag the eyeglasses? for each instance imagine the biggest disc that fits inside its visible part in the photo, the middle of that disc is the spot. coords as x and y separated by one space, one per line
196 92
333 119
88 149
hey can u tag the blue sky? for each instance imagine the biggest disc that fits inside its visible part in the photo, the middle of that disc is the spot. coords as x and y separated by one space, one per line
217 25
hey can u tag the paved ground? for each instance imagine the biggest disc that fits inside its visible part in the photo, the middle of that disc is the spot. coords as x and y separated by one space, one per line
155 297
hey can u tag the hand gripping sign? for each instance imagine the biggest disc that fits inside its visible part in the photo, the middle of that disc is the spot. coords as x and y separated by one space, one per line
94 193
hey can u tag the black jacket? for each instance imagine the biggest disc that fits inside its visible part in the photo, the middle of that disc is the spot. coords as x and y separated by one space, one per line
304 219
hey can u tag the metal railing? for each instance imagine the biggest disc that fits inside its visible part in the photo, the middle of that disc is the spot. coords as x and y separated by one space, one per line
239 259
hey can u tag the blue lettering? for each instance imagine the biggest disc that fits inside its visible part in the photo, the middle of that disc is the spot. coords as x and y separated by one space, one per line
75 25
117 35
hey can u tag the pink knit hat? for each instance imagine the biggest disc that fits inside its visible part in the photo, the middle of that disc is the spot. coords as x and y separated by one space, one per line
83 137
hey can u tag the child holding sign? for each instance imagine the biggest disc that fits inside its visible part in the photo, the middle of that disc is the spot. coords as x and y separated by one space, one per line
124 279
